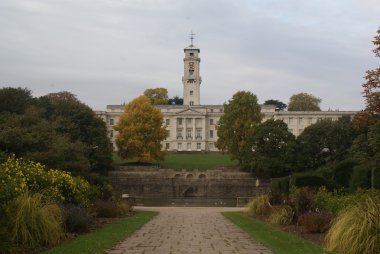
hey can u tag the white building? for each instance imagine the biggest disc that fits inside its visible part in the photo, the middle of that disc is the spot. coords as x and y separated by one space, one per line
191 126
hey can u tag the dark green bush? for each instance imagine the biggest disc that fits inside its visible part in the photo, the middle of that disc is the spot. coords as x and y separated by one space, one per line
309 180
342 172
77 218
315 222
361 177
280 185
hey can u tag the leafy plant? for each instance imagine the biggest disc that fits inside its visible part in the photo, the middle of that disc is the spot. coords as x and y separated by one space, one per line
18 175
259 205
302 200
34 221
111 208
356 229
282 215
315 222
77 218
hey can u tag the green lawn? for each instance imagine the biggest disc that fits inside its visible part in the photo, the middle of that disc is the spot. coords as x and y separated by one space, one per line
278 241
191 161
104 238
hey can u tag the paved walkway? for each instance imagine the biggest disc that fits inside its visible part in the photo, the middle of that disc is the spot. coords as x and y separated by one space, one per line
189 230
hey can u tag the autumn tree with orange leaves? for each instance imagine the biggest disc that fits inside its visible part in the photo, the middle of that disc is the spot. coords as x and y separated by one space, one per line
141 131
371 92
366 147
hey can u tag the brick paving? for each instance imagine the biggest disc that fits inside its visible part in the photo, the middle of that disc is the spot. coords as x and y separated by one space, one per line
180 230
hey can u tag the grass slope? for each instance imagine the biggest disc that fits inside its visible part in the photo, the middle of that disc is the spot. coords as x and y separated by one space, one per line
191 161
104 238
278 241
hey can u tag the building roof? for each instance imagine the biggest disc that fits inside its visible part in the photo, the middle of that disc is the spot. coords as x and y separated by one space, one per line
192 47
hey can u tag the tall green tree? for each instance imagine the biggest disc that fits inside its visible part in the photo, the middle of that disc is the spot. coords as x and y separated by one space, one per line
237 126
33 137
157 96
280 106
273 149
79 122
175 101
324 141
15 100
304 102
141 131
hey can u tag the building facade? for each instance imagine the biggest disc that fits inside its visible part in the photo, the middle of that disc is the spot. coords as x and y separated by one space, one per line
191 126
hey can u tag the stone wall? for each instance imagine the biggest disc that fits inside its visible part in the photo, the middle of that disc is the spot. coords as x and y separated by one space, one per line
151 182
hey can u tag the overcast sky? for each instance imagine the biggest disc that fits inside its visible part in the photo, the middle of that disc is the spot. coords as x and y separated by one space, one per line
110 51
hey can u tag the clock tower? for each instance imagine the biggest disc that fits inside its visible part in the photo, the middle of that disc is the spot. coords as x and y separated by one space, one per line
191 79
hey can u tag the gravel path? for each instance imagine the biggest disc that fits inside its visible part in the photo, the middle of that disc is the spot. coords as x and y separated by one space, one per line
189 230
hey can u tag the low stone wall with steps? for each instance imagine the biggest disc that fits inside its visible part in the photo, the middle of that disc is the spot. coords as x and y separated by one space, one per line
153 182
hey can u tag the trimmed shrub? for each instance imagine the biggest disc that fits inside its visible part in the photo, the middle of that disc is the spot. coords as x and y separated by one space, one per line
361 177
280 185
77 218
316 222
309 180
259 205
342 172
282 215
34 221
356 229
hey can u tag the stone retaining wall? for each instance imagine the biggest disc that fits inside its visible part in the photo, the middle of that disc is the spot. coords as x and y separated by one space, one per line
174 184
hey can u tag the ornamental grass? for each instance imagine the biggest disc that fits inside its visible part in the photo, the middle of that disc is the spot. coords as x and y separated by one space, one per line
34 221
356 229
258 206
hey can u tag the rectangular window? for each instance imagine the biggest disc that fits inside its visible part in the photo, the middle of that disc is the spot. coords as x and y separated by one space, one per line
191 103
198 133
188 146
211 133
211 121
188 121
290 120
111 121
167 146
212 110
167 134
198 146
179 121
188 133
179 134
167 121
220 110
191 54
179 146
300 120
111 134
191 92
309 120
211 146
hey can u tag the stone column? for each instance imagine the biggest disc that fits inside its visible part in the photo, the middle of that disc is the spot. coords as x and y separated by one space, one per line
204 133
194 127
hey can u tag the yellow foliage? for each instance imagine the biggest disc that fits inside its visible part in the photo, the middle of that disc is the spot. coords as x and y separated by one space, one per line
141 131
